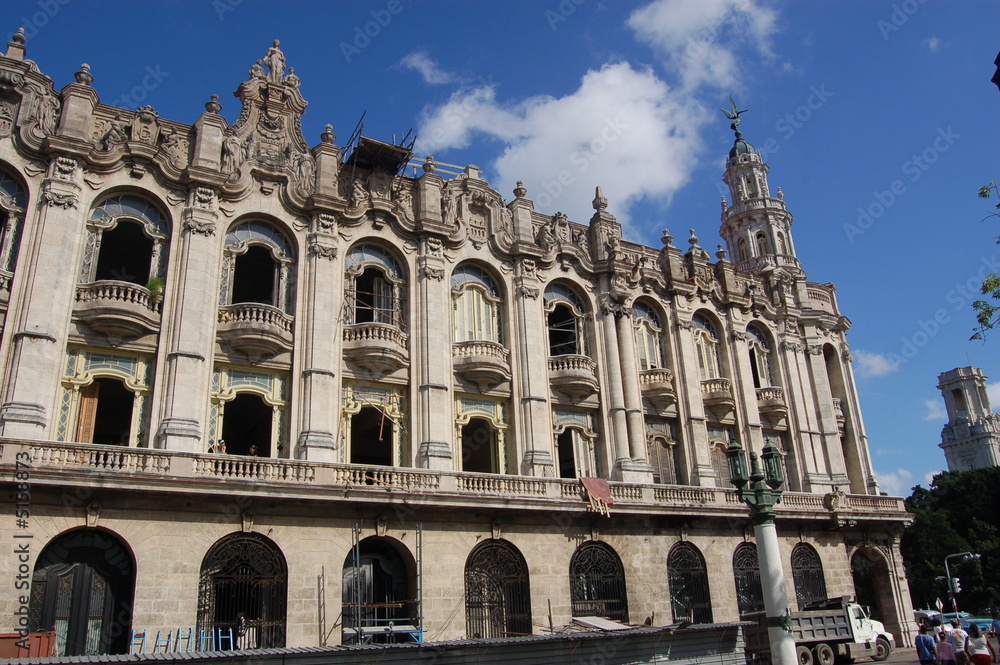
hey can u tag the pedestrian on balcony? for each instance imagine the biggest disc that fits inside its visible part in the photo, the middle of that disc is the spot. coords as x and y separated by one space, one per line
926 653
253 450
978 647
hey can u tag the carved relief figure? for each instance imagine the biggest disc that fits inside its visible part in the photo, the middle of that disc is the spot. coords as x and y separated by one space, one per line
117 133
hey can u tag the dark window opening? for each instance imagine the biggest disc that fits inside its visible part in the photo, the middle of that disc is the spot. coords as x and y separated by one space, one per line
246 425
566 454
807 574
959 398
597 583
755 369
373 298
478 442
113 416
125 255
82 588
746 571
371 437
377 593
253 276
244 587
563 334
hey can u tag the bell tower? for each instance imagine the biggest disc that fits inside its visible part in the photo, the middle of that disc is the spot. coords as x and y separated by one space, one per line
971 438
757 227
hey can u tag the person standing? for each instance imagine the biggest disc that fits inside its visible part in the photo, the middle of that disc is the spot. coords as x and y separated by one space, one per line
926 653
978 647
945 652
957 638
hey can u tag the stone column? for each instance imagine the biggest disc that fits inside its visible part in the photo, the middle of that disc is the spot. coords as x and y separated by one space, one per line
689 389
433 364
636 423
322 343
193 303
45 281
831 451
615 394
532 373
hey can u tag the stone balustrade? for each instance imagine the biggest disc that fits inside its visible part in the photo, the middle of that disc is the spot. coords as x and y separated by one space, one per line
715 388
758 203
821 297
256 315
77 464
114 291
482 349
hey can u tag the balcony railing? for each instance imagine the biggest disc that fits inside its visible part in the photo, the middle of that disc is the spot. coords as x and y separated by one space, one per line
483 362
573 375
658 387
120 310
380 347
70 464
256 329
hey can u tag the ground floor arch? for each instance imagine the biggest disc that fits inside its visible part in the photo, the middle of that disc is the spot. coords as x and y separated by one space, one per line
379 590
497 595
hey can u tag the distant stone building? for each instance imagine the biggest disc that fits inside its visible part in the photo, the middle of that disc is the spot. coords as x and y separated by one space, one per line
292 391
971 438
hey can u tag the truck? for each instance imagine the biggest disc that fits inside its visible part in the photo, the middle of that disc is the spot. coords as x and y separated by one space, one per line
835 629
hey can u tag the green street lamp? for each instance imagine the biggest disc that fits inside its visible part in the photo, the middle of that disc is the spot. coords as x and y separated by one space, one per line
761 489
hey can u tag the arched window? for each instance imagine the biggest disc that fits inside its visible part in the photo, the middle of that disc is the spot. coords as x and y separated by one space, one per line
244 587
706 341
741 249
763 246
12 206
477 305
374 425
565 315
258 267
82 588
782 247
746 571
378 592
127 239
597 582
807 573
688 580
374 288
575 454
760 357
497 596
648 337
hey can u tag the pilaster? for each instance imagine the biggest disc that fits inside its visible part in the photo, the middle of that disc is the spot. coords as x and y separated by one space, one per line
434 377
534 412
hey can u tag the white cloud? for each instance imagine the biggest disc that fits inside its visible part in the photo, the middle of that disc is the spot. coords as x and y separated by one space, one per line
932 44
623 129
872 365
993 393
935 409
929 477
700 39
421 62
895 483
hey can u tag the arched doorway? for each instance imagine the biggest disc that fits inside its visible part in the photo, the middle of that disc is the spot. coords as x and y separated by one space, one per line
597 582
690 599
378 592
247 425
746 571
83 588
807 574
872 585
106 408
497 596
243 587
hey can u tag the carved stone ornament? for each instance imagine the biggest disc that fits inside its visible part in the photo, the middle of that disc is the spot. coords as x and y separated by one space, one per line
794 347
199 227
40 108
530 292
64 168
93 513
814 349
685 324
146 126
321 249
175 147
739 336
432 272
326 221
57 199
528 267
268 132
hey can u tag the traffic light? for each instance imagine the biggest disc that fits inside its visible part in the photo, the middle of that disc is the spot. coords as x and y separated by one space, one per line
956 587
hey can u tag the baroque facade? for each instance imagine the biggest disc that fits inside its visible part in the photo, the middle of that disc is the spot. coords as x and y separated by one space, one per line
289 390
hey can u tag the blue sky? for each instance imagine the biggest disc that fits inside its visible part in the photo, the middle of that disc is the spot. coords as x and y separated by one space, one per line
878 120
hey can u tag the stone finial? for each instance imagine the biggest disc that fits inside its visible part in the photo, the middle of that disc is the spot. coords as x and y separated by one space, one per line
84 76
429 166
213 105
600 202
725 204
693 241
520 191
720 253
328 136
18 37
667 238
781 194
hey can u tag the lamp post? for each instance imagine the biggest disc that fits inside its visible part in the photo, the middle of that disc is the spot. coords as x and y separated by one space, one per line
761 490
951 585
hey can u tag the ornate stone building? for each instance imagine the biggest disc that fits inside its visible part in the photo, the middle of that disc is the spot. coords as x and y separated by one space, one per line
252 384
971 437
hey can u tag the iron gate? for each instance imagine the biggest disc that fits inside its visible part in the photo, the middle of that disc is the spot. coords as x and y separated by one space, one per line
746 570
688 578
597 583
807 574
497 598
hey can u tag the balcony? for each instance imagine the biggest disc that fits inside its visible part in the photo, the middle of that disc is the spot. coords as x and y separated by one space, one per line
486 364
771 405
58 465
573 375
717 394
257 330
658 387
119 310
379 347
